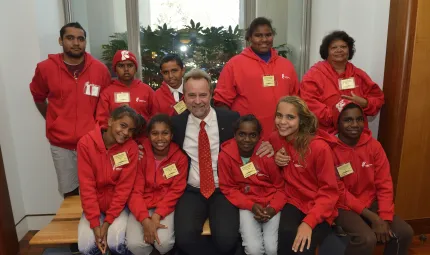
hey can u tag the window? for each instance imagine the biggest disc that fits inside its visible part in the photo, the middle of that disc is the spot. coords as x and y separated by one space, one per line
205 33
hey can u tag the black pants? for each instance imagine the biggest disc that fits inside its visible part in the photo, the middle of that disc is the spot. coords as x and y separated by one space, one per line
191 212
291 218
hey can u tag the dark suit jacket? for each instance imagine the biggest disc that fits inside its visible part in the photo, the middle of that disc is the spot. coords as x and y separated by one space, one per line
225 118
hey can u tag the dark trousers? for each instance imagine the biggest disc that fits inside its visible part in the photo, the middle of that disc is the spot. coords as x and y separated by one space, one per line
291 218
191 212
363 239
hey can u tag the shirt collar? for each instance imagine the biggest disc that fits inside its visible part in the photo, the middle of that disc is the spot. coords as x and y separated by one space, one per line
208 119
180 89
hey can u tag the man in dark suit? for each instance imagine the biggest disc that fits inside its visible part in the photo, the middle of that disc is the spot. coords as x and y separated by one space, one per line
200 131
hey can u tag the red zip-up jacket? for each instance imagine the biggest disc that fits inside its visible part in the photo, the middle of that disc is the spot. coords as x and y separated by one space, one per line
152 189
164 101
71 103
371 179
240 86
320 90
311 185
104 188
141 97
266 187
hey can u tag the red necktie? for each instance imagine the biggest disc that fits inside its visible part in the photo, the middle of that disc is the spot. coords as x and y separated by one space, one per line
207 184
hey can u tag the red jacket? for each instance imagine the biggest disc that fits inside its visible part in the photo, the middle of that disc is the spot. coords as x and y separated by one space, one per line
320 90
371 179
311 186
164 101
266 187
72 103
104 188
140 99
240 86
152 189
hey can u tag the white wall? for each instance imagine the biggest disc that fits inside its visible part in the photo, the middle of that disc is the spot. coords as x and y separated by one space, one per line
32 31
366 21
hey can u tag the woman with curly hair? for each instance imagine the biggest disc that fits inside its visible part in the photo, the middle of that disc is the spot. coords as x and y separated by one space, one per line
335 78
308 170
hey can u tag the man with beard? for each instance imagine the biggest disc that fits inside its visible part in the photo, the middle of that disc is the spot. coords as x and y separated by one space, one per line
66 89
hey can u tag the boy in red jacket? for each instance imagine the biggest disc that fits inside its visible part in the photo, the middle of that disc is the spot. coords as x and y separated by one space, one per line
366 208
107 165
253 184
168 98
309 174
125 90
72 82
160 182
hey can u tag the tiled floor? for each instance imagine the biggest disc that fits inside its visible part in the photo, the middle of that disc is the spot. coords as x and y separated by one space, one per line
417 248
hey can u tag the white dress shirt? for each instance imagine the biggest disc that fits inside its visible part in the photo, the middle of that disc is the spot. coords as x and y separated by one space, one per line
191 142
176 92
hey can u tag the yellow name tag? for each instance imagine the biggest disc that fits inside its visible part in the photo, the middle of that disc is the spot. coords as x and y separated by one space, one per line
347 83
180 107
248 169
120 159
122 97
268 81
345 169
170 171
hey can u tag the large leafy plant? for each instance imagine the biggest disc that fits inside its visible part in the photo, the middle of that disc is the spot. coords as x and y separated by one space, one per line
208 48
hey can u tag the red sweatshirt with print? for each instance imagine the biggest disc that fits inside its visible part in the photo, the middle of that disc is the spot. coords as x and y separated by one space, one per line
71 102
138 96
164 101
104 187
152 189
266 187
371 180
311 184
240 86
320 90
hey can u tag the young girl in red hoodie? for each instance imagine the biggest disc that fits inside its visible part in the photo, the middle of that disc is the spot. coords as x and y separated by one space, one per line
254 184
309 174
125 90
107 164
366 208
160 182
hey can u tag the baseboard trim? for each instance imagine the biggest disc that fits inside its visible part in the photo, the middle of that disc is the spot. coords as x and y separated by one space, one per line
32 222
420 226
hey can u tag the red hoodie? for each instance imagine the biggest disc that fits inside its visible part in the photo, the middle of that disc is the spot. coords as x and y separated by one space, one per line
152 189
138 96
266 187
164 101
320 90
311 186
240 86
104 188
72 103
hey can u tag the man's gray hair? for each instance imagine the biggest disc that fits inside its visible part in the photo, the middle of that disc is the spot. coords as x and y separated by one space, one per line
197 74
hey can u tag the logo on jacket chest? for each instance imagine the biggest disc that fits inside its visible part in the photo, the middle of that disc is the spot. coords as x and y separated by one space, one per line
139 100
365 164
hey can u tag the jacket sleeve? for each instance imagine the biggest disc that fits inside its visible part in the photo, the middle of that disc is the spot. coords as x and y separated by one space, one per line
383 183
106 79
87 186
311 94
124 185
229 187
155 105
294 90
225 91
102 112
168 203
136 202
327 194
374 95
38 87
150 103
280 198
349 200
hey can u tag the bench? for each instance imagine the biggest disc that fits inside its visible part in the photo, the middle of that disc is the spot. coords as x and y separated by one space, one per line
63 229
